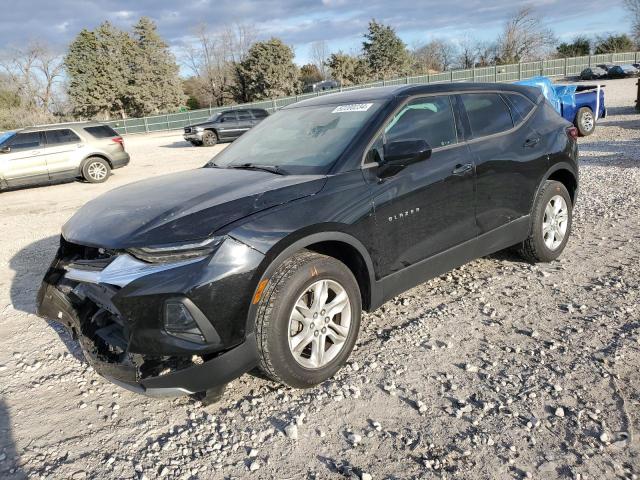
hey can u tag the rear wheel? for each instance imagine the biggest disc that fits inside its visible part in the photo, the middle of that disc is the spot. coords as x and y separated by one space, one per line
585 121
209 138
550 224
96 170
308 320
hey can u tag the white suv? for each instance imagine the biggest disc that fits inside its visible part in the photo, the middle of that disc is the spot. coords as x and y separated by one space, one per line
50 153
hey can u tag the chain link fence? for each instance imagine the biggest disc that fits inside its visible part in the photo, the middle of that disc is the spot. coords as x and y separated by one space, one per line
562 67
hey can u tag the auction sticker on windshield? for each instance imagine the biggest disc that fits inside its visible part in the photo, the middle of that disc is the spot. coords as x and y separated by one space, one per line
356 107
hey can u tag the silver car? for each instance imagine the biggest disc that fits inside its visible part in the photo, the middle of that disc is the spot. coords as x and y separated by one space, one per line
50 153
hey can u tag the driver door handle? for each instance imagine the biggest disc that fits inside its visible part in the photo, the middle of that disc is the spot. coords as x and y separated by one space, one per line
531 142
462 169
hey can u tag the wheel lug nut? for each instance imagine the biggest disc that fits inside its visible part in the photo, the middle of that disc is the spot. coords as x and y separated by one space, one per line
315 315
316 333
326 319
324 329
322 312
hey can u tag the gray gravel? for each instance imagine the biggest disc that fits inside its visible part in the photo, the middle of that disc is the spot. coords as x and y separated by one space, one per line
499 369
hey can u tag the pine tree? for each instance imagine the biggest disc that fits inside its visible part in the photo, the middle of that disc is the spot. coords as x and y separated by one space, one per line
155 85
268 71
384 52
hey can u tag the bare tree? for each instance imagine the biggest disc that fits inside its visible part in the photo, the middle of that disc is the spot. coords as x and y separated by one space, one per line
467 53
524 37
319 54
634 8
486 54
437 55
34 71
212 57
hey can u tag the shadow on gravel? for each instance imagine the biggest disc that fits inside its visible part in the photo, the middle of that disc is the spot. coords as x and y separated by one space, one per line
30 265
8 456
178 144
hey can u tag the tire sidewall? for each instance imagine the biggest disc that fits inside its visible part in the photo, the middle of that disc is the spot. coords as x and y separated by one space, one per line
581 113
551 189
286 366
209 138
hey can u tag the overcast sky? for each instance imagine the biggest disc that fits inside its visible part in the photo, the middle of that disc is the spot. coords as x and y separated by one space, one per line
300 22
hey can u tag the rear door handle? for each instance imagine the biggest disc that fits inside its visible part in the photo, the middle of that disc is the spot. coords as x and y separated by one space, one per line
531 142
462 169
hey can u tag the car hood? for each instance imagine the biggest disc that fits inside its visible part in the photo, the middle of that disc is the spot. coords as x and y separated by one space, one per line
182 207
201 124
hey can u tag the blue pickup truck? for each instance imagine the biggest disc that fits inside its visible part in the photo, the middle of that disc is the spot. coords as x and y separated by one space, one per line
582 105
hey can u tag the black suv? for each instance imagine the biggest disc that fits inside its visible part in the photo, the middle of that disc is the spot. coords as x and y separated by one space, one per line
226 125
267 255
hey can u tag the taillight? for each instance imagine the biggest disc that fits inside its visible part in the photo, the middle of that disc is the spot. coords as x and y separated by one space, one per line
572 132
118 140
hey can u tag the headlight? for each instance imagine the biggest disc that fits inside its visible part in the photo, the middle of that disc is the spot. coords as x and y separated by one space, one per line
176 252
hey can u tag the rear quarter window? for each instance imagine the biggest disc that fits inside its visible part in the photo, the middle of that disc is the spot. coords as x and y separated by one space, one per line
520 105
488 113
101 131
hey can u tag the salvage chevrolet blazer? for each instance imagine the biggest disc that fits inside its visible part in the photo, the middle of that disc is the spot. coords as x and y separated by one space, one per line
266 256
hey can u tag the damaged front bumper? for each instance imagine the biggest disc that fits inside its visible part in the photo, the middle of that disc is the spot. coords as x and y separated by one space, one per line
115 311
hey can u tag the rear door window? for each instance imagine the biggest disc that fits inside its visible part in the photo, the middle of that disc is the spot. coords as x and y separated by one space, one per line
428 118
488 113
60 137
24 141
259 113
244 115
101 131
228 117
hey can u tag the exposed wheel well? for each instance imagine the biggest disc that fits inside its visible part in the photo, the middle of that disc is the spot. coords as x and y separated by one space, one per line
97 155
350 256
568 180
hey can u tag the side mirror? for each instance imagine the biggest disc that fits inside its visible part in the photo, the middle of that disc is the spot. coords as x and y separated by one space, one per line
406 152
6 149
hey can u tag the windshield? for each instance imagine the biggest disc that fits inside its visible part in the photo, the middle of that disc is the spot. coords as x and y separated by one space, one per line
213 117
4 136
305 140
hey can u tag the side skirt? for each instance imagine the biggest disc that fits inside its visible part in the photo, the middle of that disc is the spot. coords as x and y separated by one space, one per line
485 244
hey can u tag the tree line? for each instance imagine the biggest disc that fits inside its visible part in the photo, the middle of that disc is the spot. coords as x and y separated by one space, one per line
113 73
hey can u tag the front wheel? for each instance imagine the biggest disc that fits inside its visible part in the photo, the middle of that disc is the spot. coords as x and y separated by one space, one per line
209 138
550 224
585 121
308 320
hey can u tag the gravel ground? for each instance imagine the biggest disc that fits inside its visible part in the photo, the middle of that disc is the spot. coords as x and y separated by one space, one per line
499 369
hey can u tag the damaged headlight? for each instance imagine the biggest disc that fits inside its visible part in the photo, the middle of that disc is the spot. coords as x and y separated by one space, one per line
176 252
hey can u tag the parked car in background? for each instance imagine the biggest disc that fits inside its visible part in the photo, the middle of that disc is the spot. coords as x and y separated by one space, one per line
580 104
50 153
618 72
629 70
333 205
320 86
593 73
224 126
606 66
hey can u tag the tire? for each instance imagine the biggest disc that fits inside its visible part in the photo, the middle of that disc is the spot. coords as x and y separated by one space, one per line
585 121
550 227
276 320
96 170
209 138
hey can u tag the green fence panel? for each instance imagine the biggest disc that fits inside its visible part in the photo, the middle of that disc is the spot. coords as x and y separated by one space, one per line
501 73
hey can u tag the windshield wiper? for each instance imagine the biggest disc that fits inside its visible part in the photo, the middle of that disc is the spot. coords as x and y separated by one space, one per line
265 168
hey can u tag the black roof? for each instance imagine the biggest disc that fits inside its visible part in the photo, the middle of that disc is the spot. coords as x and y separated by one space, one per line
388 93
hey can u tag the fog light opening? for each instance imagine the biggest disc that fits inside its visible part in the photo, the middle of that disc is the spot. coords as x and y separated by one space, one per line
179 322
